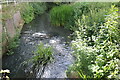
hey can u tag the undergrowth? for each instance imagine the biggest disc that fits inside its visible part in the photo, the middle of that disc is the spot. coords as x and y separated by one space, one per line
31 9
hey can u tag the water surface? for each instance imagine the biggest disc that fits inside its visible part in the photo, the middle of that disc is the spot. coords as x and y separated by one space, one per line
19 63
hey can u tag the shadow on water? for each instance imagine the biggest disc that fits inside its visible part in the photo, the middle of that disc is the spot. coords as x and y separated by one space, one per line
28 42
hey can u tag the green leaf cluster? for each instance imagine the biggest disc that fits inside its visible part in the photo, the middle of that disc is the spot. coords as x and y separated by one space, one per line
31 9
43 54
96 47
27 13
38 7
96 37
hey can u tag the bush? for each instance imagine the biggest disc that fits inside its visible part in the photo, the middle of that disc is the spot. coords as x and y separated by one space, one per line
99 60
27 13
31 9
38 7
43 54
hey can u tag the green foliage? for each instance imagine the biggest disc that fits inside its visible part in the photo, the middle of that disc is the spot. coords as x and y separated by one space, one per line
31 9
61 15
97 52
27 13
13 43
38 7
66 15
89 14
43 54
96 44
59 3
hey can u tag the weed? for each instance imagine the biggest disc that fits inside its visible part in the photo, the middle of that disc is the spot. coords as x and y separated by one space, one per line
43 54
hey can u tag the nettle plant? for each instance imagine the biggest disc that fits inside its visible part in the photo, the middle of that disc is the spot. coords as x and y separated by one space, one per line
99 60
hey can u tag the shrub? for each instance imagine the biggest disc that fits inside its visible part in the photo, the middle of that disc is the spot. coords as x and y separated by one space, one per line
31 9
43 54
99 60
38 7
96 45
90 13
27 13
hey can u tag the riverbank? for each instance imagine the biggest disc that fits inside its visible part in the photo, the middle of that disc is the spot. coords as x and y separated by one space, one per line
12 23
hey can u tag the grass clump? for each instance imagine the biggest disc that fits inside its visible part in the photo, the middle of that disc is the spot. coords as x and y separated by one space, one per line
43 54
61 15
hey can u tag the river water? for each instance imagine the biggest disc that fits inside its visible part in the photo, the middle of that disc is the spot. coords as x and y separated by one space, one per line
32 34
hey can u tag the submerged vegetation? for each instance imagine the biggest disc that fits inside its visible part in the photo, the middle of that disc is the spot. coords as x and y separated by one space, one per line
96 37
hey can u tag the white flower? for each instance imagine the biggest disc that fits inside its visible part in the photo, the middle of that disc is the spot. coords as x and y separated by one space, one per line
110 76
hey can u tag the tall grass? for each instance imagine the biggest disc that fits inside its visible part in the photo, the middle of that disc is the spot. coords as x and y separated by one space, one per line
61 15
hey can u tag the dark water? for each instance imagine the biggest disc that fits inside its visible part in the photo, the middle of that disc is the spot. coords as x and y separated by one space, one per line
19 63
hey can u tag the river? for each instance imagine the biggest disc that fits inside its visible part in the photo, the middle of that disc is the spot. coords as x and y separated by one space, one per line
19 63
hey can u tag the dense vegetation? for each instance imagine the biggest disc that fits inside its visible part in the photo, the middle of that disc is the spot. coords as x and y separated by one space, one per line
58 15
31 9
96 37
